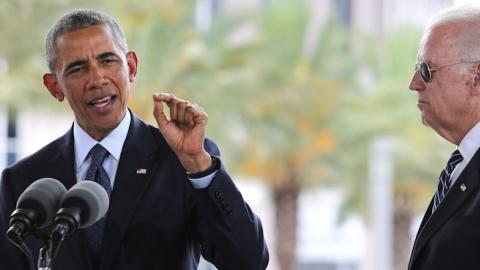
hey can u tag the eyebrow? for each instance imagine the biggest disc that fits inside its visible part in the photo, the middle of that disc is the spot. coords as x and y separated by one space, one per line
83 62
106 55
75 64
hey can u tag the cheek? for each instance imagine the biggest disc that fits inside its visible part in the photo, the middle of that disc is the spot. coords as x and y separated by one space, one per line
75 101
123 91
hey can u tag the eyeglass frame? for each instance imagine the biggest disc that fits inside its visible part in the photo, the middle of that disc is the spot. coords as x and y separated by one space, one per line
418 67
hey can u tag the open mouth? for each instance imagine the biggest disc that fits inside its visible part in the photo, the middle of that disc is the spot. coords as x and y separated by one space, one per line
102 102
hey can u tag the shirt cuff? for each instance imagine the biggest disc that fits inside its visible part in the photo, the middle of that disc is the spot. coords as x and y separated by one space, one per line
203 182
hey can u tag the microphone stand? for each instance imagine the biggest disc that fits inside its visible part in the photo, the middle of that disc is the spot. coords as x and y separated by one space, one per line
44 258
65 223
45 253
48 252
14 236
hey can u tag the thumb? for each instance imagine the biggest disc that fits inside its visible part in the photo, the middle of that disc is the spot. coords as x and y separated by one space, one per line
158 113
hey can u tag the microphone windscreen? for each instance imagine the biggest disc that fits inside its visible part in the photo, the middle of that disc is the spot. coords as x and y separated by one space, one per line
91 198
43 196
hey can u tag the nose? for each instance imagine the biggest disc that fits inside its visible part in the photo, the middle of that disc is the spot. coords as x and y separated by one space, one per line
97 77
416 83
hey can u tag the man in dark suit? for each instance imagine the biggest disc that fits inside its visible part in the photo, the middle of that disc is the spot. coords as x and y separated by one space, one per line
170 195
447 81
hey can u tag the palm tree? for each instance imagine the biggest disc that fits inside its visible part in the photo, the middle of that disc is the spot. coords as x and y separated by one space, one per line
278 114
278 107
271 109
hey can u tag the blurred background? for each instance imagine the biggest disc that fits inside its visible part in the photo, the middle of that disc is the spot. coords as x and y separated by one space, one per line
307 99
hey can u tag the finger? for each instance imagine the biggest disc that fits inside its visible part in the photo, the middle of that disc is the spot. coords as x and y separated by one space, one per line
165 97
175 106
171 100
182 112
190 113
202 111
158 113
197 115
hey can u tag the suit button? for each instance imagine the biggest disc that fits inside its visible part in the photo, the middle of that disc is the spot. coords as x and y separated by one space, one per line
219 196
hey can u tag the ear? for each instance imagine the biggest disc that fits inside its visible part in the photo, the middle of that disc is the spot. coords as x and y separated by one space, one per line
476 78
132 65
50 82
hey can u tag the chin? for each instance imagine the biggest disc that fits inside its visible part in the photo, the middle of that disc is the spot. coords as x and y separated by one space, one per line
425 122
109 123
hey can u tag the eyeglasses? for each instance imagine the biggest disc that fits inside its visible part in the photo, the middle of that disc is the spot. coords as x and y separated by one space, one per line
426 71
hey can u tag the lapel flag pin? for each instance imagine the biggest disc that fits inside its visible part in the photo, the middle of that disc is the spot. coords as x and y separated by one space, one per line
141 171
463 187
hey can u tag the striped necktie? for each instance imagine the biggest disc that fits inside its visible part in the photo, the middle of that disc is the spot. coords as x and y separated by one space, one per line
444 181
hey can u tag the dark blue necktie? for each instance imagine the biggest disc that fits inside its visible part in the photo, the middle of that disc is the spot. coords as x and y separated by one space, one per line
444 181
97 173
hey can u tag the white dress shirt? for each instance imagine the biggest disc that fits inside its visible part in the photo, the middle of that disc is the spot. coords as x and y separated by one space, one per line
113 143
468 147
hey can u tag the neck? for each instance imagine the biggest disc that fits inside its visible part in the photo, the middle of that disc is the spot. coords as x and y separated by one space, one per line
456 134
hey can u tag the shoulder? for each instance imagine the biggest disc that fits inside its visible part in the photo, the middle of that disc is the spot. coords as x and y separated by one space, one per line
40 164
46 154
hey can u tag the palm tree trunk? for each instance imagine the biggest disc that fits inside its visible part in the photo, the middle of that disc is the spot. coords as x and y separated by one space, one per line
286 207
402 219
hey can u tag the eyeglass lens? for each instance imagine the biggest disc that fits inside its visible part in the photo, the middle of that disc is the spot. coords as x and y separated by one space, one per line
425 72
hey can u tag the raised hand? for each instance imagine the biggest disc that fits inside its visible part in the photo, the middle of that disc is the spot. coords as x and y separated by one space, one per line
184 132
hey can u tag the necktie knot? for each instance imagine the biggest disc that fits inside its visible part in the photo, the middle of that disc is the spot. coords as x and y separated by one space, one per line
455 158
98 154
96 172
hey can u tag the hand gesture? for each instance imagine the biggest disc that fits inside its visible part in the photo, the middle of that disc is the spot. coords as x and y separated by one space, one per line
184 132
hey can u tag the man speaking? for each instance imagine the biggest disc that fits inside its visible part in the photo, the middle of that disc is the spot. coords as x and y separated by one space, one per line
171 198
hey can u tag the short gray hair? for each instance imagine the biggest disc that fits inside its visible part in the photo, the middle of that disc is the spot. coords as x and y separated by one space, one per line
468 39
76 20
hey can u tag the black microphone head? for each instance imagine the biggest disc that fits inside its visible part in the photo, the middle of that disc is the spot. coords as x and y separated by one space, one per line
43 196
91 198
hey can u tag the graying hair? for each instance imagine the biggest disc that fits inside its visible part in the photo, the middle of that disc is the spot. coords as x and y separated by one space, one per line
76 20
467 17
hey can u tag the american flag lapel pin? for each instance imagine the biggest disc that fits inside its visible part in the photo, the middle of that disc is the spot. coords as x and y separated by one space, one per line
463 187
141 171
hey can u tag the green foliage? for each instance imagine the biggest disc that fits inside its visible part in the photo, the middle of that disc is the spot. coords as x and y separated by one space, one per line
271 108
268 105
388 108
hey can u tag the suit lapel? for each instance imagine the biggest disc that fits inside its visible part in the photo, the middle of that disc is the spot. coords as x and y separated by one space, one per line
135 171
62 168
455 197
426 217
63 161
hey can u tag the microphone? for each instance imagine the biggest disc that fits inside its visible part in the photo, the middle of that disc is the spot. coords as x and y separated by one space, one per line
81 206
35 207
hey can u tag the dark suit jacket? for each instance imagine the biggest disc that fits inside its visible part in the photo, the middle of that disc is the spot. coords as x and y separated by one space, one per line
450 238
155 220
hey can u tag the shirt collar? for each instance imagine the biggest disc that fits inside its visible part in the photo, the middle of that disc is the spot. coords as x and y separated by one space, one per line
470 143
113 142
